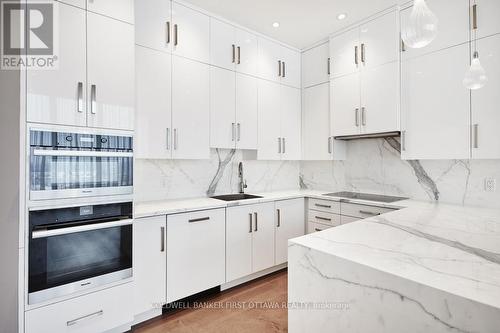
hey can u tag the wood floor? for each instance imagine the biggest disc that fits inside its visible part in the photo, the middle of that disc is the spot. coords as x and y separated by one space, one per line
258 306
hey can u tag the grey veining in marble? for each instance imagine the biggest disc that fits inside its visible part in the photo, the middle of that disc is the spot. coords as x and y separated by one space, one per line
220 170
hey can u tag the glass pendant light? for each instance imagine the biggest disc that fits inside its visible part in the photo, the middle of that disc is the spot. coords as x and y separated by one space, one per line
475 78
421 28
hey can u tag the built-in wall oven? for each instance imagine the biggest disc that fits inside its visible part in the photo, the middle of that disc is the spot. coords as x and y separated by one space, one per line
77 248
72 165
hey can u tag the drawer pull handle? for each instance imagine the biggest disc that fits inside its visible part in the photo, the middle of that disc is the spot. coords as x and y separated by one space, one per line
256 222
365 212
250 230
323 218
279 218
162 241
199 219
324 206
317 229
89 316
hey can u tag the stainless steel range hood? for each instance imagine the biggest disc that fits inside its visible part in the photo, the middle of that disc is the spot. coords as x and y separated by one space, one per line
368 136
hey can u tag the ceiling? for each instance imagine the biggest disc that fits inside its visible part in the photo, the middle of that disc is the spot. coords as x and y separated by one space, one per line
302 22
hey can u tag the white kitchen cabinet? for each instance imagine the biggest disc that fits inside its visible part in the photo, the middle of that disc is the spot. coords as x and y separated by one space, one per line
485 101
452 29
110 73
150 264
118 9
190 109
290 223
317 141
379 41
190 33
344 53
153 24
345 105
195 252
380 98
290 74
278 63
316 65
291 116
233 110
248 52
487 13
249 239
99 311
153 104
348 219
59 96
313 227
435 106
269 118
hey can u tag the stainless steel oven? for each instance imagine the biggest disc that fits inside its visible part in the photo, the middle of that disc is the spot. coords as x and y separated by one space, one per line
72 165
77 248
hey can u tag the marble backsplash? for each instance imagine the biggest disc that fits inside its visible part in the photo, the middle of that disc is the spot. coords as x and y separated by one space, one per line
375 166
372 166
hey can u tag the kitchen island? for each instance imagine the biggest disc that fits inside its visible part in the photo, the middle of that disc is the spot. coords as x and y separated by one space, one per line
425 268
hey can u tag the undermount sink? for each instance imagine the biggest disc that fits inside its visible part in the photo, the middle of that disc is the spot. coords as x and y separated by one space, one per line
235 197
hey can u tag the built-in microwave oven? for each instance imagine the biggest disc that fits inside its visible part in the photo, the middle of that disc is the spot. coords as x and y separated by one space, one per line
71 165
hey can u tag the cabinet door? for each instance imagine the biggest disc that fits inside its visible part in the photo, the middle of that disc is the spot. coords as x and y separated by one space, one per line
452 29
110 70
291 68
191 36
150 264
263 237
118 9
222 108
246 111
379 41
380 98
153 130
315 65
343 53
269 55
485 101
316 123
153 24
345 105
248 53
195 252
239 231
222 44
291 116
435 106
53 95
190 109
269 146
290 223
487 13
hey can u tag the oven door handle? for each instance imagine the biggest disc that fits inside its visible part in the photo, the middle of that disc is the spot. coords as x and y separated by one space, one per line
81 153
71 230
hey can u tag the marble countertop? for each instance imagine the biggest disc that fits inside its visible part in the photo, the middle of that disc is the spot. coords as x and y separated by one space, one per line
454 249
166 207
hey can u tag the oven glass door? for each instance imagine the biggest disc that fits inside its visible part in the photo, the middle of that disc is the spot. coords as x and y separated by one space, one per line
60 176
63 264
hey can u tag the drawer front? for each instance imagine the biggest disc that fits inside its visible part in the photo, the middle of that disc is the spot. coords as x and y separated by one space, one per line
324 218
326 206
348 219
362 211
315 227
195 252
96 312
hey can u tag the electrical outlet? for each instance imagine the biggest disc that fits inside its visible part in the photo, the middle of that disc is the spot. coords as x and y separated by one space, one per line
490 184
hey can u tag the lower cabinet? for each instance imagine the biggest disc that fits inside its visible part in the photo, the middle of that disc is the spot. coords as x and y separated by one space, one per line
150 264
289 224
195 252
96 312
250 240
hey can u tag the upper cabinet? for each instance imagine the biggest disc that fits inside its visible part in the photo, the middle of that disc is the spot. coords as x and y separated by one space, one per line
278 63
118 9
365 78
316 65
153 24
232 48
94 85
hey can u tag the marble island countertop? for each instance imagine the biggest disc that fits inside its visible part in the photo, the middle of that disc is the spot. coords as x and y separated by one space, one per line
442 260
